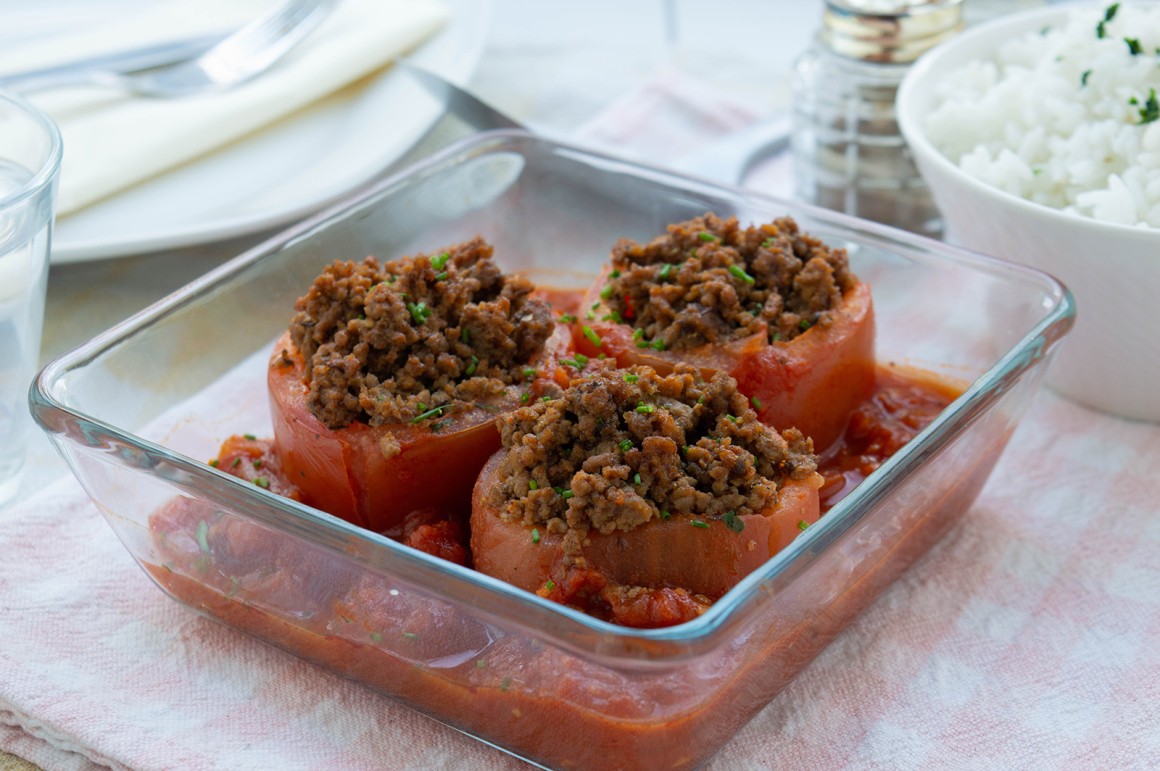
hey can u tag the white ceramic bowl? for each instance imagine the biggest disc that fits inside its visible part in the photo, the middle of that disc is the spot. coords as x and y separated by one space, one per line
1112 359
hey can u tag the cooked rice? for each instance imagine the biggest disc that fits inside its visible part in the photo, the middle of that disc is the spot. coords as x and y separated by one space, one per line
1064 117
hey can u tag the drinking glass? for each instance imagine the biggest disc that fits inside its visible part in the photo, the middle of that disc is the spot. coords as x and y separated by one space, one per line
30 152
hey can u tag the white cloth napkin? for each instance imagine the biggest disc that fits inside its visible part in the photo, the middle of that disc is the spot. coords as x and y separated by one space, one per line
113 140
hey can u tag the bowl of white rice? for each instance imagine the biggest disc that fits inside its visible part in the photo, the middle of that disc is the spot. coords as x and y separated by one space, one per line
1039 136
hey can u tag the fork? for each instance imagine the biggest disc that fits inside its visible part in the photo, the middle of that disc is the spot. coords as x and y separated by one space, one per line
239 57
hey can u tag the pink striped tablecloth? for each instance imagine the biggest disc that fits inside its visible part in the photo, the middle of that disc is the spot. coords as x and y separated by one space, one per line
1029 637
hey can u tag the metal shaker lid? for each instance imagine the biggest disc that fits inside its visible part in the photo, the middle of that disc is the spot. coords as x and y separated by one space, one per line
888 31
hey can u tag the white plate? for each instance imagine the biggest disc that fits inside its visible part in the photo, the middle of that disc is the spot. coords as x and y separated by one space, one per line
286 171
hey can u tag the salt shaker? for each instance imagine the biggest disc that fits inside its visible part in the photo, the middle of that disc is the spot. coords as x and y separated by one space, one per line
848 152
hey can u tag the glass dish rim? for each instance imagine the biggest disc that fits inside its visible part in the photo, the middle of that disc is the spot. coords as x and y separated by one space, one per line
272 510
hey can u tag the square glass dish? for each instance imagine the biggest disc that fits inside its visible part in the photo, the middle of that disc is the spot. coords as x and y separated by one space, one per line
537 679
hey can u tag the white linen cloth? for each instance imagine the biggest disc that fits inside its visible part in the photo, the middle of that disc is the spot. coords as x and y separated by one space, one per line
113 140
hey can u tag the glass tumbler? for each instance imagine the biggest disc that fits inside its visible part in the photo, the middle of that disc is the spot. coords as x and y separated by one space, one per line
30 152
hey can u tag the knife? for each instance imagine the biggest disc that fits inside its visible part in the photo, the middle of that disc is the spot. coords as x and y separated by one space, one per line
727 159
127 61
460 102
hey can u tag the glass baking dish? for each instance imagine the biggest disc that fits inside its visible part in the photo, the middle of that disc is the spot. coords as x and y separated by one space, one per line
536 679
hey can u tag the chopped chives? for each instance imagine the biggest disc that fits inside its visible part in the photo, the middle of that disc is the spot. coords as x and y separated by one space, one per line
441 275
631 378
529 371
202 532
704 235
665 270
1151 110
615 274
664 514
592 336
410 635
434 412
237 462
214 463
535 535
251 437
804 324
767 243
567 318
376 637
533 484
642 344
637 334
636 478
257 463
465 336
525 396
739 272
625 445
755 402
606 292
472 366
612 316
802 524
440 262
700 523
262 482
733 522
658 345
419 311
646 408
550 585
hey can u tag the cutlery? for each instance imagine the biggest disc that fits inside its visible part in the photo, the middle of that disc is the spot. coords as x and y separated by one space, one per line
118 61
730 158
727 159
246 53
466 105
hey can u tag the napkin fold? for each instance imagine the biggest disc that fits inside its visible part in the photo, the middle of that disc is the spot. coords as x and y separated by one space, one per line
1026 638
113 140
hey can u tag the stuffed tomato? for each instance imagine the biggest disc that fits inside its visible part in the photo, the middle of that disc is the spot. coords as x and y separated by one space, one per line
385 390
773 307
639 497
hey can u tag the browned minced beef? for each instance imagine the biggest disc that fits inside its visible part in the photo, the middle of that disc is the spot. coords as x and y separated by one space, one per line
709 281
387 342
622 447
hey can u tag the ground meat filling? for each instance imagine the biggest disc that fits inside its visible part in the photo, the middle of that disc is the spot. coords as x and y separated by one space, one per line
710 281
388 343
624 447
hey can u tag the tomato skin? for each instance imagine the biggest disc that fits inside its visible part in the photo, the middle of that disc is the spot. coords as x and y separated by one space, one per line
374 476
672 553
813 382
